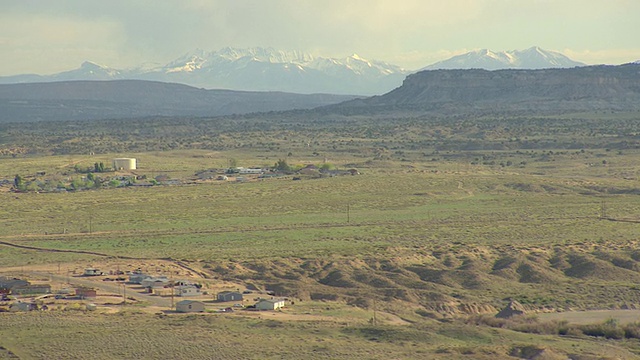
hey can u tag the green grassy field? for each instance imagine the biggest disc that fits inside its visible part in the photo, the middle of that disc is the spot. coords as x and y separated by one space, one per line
431 236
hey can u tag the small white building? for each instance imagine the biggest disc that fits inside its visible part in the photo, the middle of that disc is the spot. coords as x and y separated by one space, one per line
270 304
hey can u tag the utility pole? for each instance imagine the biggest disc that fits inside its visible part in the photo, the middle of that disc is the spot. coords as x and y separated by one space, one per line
124 294
172 284
172 292
348 214
375 321
603 210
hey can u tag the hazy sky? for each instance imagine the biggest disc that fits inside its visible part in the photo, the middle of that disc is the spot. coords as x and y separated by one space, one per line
47 36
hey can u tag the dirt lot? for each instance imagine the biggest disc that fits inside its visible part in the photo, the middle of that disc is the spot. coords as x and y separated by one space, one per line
593 316
64 278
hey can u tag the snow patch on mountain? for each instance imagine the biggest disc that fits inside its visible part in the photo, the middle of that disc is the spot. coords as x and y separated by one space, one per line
532 58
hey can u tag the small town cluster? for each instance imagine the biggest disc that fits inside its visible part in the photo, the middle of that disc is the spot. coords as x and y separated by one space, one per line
95 289
124 173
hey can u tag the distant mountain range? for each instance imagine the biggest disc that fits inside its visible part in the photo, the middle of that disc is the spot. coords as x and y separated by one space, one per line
588 88
254 69
472 91
532 58
267 69
118 99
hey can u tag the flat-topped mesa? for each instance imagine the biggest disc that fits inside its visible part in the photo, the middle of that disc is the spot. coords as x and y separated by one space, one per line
581 88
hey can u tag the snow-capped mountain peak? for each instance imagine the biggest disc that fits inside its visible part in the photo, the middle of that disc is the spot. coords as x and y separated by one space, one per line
268 69
269 55
90 65
258 69
531 58
190 65
89 71
188 62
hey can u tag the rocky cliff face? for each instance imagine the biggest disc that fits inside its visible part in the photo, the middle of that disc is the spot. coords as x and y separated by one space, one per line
594 87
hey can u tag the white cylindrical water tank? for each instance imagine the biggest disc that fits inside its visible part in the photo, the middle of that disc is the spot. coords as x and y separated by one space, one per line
124 164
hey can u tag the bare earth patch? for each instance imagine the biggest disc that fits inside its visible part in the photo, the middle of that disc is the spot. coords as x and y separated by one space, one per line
593 316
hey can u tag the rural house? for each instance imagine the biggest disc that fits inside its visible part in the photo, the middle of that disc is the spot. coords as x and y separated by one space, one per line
84 293
22 287
155 282
309 170
229 296
32 289
186 306
23 306
7 284
187 290
92 272
269 304
136 277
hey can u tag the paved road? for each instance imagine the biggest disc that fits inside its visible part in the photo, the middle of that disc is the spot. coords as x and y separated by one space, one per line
111 288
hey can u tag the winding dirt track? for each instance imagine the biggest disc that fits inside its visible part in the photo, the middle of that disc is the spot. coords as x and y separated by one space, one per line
176 262
67 251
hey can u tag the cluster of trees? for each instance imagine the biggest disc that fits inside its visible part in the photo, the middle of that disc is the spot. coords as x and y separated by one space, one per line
282 166
18 183
98 167
91 181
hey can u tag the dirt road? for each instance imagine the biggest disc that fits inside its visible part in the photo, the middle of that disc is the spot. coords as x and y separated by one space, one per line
593 316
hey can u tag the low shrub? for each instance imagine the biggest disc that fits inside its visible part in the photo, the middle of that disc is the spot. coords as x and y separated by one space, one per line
632 331
604 330
526 324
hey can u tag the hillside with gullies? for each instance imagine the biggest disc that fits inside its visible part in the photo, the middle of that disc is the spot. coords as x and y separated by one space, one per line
588 88
451 280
